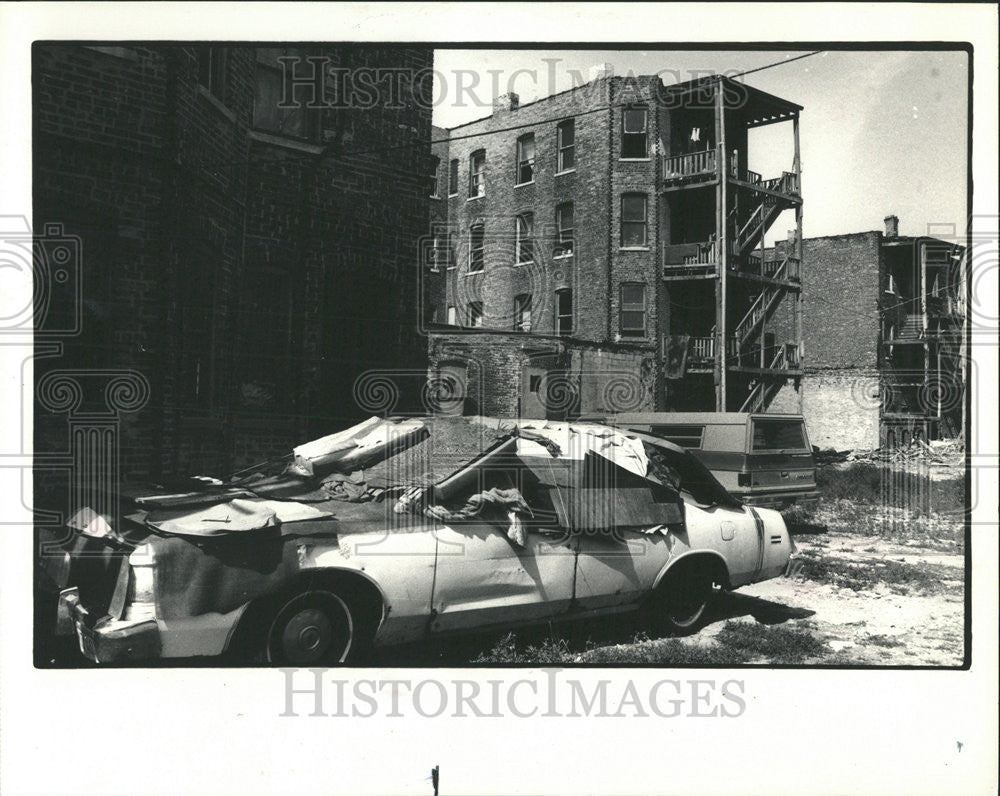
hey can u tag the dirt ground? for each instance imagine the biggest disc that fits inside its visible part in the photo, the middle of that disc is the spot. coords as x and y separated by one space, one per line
881 624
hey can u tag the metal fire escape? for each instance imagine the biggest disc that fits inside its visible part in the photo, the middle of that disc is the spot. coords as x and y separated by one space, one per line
751 282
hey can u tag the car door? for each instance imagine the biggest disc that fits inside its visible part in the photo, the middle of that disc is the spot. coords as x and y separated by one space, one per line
619 568
627 525
484 577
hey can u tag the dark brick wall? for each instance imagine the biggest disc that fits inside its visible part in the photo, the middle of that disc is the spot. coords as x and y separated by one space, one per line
840 284
247 277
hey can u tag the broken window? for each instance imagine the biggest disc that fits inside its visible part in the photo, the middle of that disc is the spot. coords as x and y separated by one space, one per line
564 312
476 247
477 173
524 226
634 133
475 314
525 158
564 229
453 177
634 231
633 309
522 312
566 145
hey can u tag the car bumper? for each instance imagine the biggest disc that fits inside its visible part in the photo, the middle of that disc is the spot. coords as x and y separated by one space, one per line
104 639
777 500
794 566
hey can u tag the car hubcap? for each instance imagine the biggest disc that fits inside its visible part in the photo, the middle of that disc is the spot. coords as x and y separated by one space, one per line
687 599
310 630
308 633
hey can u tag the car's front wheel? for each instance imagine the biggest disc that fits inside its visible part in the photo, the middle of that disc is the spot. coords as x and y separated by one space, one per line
311 628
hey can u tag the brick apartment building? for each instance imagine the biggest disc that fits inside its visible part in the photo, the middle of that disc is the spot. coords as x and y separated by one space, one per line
884 330
601 249
243 261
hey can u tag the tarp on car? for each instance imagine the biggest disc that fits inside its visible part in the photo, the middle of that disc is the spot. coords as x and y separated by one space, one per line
581 476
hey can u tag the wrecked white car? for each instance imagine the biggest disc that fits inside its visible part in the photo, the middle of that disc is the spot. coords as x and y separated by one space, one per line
400 530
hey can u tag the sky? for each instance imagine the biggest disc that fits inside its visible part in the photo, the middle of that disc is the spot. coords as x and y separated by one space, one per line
882 132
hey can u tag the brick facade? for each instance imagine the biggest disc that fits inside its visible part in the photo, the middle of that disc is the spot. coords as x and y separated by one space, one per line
593 271
851 390
249 272
614 260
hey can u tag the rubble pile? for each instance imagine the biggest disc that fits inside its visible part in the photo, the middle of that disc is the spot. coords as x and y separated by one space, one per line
943 457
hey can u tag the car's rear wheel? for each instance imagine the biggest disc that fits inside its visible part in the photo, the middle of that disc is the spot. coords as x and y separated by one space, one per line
311 628
680 604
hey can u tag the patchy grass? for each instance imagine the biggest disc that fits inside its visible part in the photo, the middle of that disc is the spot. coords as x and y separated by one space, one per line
858 482
882 640
900 577
773 643
875 485
736 643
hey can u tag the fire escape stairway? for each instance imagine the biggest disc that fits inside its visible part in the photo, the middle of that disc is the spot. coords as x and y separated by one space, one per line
761 389
759 222
761 309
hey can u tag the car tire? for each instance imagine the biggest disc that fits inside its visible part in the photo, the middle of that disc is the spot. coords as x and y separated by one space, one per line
681 602
311 628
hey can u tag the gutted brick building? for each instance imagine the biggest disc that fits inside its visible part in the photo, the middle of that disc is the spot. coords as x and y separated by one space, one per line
602 250
242 258
883 329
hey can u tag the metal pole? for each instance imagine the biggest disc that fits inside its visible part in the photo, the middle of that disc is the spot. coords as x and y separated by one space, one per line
797 306
723 172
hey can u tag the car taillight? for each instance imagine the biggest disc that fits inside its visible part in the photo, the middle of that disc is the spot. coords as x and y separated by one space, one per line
140 602
743 479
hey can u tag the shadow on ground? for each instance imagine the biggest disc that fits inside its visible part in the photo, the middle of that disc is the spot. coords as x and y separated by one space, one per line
463 650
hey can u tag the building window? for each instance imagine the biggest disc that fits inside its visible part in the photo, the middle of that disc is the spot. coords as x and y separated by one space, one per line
634 220
524 226
632 312
634 133
475 314
477 173
452 315
213 69
476 248
299 122
564 312
435 164
522 313
566 145
564 230
453 177
525 158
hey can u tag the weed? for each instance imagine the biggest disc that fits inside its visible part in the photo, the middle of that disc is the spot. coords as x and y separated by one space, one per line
775 643
900 577
882 640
